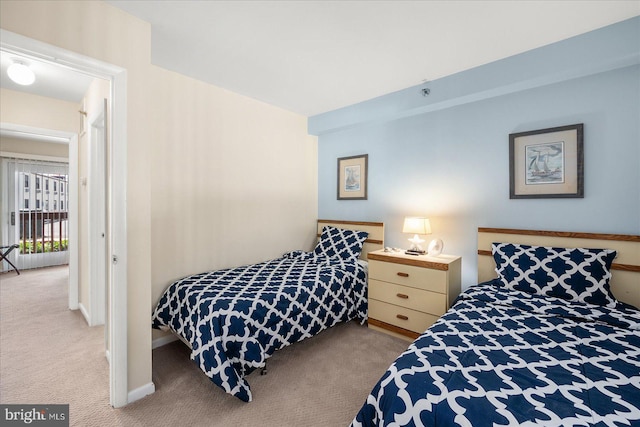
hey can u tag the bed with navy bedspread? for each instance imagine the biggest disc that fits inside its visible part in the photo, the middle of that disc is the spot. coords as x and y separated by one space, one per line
234 319
509 354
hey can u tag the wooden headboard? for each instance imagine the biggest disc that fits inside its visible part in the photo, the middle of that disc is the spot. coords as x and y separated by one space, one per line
374 242
625 271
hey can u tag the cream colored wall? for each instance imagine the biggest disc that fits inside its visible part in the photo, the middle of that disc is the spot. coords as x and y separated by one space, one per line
213 178
37 111
27 146
233 180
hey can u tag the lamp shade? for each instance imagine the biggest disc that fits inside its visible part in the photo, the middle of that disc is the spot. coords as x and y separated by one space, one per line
416 225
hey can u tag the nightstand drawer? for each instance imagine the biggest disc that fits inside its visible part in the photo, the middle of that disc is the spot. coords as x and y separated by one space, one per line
415 299
405 318
408 275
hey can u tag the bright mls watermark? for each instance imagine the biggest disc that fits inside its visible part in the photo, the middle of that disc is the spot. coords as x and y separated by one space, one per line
35 415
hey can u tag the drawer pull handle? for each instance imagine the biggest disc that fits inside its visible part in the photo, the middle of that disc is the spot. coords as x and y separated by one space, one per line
403 296
403 274
402 317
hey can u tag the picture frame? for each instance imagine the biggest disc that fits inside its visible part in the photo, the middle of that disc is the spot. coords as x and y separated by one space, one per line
352 177
547 163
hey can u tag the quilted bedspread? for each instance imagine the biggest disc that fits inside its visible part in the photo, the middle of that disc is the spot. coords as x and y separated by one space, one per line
235 319
502 357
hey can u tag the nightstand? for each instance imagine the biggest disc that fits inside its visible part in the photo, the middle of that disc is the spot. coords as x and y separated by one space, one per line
408 293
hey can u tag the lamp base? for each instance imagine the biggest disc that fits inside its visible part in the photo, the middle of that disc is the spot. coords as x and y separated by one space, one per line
414 252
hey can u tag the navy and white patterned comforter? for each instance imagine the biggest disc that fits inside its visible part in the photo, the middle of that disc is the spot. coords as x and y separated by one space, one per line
502 357
235 319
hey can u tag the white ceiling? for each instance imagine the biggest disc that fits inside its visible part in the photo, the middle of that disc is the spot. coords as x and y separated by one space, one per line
311 57
315 56
52 81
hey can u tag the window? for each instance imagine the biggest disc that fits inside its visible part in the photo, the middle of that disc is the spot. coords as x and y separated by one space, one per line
26 181
37 204
55 186
26 203
55 205
46 184
37 182
62 187
46 205
62 205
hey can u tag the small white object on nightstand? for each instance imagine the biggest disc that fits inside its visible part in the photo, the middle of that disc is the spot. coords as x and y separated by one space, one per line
435 247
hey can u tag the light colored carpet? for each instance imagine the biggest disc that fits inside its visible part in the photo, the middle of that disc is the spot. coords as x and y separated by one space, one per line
48 354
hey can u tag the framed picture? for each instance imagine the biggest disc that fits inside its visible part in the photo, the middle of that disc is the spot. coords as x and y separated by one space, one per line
547 163
352 177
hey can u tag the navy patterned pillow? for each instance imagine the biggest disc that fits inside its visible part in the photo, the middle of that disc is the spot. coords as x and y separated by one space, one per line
336 242
575 274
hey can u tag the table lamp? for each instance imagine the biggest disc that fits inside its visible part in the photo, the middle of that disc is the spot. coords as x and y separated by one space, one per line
416 226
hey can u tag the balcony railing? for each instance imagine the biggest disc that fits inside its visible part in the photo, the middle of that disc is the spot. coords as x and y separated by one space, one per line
43 232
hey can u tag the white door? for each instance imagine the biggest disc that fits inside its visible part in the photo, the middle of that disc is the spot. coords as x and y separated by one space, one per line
37 212
98 219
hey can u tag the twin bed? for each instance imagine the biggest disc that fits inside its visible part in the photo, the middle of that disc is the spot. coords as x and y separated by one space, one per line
235 319
553 340
545 343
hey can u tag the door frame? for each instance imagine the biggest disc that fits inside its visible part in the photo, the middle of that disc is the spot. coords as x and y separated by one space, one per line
24 46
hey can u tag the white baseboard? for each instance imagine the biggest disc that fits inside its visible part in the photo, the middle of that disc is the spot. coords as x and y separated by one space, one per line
84 312
141 392
159 342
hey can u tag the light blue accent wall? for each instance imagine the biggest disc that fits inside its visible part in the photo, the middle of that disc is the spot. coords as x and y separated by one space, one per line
450 161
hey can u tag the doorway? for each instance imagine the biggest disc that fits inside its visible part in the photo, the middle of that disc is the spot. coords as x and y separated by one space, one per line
37 204
116 237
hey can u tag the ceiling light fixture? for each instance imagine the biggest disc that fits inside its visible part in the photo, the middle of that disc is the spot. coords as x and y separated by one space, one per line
21 74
